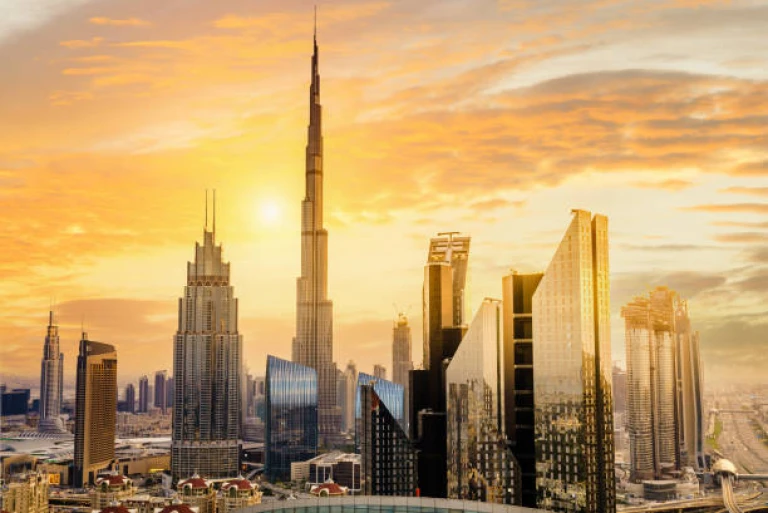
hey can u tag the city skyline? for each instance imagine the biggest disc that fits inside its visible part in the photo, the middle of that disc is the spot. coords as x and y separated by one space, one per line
686 213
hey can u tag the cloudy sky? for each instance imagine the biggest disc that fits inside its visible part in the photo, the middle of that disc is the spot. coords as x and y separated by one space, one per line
494 118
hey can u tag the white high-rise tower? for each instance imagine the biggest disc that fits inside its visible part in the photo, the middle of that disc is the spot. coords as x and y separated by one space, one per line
51 382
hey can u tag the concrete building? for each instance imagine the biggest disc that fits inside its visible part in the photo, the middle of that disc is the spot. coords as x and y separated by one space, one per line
380 371
130 398
237 493
143 395
51 382
402 361
313 343
347 398
161 391
197 493
26 493
112 488
689 384
207 367
96 407
572 373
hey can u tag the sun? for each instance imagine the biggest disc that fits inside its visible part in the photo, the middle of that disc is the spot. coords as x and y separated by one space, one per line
270 213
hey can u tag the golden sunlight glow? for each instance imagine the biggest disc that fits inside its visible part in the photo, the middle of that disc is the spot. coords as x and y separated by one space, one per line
270 213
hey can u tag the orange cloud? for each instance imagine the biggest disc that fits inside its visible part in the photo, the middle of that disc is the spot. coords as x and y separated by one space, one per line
82 43
755 191
129 22
747 208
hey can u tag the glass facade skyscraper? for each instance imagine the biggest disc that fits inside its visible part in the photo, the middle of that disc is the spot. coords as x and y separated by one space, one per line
480 464
572 373
292 419
51 382
392 394
388 457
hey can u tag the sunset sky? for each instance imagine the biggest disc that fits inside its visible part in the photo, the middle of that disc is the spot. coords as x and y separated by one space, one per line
494 118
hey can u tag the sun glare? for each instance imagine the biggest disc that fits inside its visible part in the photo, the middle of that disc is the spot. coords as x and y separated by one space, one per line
270 213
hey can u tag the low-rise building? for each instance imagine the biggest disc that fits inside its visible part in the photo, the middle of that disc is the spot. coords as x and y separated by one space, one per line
198 492
236 494
328 490
26 493
109 489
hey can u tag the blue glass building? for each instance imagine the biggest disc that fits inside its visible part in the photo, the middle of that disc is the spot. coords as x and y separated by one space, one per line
291 403
392 394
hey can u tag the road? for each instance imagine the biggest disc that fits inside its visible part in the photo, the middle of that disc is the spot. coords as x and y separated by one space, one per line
739 444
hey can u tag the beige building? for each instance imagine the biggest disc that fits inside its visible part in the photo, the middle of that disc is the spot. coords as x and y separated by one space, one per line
96 407
237 493
199 493
111 489
26 494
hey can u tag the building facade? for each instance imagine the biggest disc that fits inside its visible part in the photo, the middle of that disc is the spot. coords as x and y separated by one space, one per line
388 457
572 373
391 393
292 416
161 391
197 492
27 493
380 371
130 398
207 368
348 397
480 464
313 343
402 361
143 395
237 493
517 306
51 382
96 410
109 489
688 372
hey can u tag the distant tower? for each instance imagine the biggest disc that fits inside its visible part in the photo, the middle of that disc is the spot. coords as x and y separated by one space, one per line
51 376
347 400
160 390
690 390
207 368
143 395
402 362
572 373
313 343
130 398
380 371
95 410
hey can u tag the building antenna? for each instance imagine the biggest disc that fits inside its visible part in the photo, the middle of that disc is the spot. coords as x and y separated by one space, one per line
206 210
214 214
315 31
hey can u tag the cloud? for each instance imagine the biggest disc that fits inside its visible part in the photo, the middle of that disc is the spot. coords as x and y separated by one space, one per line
495 203
669 185
755 191
129 22
759 168
82 43
742 237
19 18
688 284
746 208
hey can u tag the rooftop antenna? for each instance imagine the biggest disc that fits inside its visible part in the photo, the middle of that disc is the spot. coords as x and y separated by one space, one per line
214 213
206 210
315 31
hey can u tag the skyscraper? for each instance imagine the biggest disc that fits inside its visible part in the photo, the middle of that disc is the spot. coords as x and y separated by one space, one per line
170 391
207 368
480 464
402 362
690 390
313 343
650 349
389 392
160 390
347 399
518 290
572 373
51 379
380 371
130 398
443 305
95 409
388 457
291 426
143 394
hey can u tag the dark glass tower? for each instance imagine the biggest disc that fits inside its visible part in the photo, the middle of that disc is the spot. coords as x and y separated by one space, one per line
572 373
389 459
291 427
313 343
518 290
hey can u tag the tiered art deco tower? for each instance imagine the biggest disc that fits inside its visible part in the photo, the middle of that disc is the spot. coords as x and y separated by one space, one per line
207 355
313 343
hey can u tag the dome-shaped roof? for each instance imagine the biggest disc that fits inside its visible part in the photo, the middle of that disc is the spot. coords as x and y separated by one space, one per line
177 508
723 466
196 482
113 480
241 483
330 488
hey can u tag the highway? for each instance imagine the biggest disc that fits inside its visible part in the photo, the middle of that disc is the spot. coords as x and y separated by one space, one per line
739 444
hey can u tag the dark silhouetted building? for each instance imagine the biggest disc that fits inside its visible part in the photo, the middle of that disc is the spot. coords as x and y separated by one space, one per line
388 457
96 410
129 405
517 304
143 406
15 402
161 391
291 426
